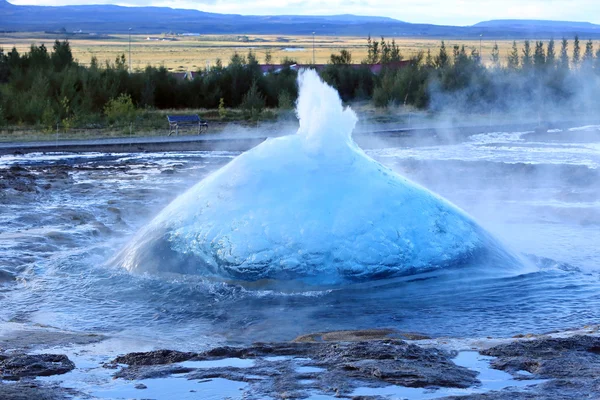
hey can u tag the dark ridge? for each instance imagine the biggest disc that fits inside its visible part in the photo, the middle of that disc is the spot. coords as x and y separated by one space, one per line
535 23
88 19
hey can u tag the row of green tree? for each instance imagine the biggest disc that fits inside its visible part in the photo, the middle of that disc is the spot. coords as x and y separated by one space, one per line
534 78
538 55
49 87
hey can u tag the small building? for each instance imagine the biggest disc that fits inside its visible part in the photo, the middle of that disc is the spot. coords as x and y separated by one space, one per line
184 76
375 68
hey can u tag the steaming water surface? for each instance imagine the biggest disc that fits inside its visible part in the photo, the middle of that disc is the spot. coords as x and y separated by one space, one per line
311 209
541 197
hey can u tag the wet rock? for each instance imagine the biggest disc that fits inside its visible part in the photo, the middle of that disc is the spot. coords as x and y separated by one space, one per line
77 216
98 228
139 372
551 390
320 364
6 276
157 357
18 179
57 171
17 366
34 179
34 390
368 398
571 365
508 395
16 169
298 368
574 357
113 210
84 187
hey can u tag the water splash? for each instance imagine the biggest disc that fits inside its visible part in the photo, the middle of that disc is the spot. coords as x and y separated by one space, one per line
310 208
325 124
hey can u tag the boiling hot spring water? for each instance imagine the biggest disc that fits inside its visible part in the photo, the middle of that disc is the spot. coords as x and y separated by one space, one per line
306 233
311 208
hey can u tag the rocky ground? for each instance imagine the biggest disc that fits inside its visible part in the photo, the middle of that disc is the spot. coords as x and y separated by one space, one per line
559 366
294 370
332 363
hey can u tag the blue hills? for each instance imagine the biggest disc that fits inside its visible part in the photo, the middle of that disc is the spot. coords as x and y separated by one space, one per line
118 19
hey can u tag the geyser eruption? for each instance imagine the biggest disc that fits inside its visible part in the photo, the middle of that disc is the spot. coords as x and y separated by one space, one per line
311 208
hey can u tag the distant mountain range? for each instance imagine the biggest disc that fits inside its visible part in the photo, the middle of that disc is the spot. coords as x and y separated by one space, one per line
536 26
152 20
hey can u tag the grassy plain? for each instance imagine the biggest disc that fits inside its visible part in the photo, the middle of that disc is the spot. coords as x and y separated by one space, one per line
189 53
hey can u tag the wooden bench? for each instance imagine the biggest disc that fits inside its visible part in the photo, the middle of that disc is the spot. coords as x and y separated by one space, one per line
177 121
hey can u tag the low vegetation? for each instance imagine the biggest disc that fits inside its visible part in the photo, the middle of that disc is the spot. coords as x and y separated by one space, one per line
51 90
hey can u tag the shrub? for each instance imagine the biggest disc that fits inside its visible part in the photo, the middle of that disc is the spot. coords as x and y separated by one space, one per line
68 119
253 103
269 115
285 101
120 109
406 86
49 118
381 97
222 109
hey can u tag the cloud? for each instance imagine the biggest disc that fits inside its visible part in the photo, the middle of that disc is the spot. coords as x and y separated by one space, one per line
450 12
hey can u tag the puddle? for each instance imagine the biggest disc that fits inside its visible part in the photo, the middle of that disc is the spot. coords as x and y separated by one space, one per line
309 370
225 362
524 373
491 380
317 396
173 388
276 358
91 378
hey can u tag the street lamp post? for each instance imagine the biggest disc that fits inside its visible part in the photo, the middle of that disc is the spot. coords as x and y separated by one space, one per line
314 48
129 50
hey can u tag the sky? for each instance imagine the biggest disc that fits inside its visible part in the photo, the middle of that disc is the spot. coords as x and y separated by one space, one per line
443 12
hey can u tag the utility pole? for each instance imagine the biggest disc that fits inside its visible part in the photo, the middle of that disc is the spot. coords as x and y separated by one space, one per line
314 48
129 50
480 56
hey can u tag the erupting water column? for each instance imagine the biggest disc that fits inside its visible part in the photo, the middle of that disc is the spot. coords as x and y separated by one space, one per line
312 208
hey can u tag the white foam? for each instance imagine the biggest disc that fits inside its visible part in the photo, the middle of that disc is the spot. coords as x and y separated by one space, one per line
311 207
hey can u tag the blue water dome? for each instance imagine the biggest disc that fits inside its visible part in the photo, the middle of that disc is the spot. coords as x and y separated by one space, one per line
311 208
